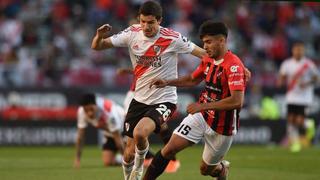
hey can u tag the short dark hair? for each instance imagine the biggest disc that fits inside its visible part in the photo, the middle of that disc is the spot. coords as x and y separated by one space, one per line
212 28
152 8
298 42
87 99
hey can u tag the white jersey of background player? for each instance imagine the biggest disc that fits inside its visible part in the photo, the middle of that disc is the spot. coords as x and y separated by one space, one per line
106 115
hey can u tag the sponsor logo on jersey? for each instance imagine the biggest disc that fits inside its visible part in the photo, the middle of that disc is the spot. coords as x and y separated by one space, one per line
146 61
234 68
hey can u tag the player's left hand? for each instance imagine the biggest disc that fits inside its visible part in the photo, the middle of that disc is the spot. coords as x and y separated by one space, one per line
194 108
247 74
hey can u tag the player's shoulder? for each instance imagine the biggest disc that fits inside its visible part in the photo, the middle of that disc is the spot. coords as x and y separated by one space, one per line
80 111
206 60
309 61
167 32
232 59
134 28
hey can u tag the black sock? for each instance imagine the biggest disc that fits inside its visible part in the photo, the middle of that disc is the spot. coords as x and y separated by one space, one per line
302 130
157 166
165 137
149 155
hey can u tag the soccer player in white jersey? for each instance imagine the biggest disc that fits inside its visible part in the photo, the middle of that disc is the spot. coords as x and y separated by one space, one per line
300 75
106 115
153 51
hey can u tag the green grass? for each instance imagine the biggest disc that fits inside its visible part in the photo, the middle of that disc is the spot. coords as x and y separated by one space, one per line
247 163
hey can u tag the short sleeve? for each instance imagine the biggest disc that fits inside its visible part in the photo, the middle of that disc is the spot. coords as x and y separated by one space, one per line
121 39
283 68
314 69
81 118
199 72
183 45
113 121
236 77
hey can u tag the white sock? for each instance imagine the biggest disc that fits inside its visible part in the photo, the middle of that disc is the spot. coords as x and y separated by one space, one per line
127 168
293 133
139 157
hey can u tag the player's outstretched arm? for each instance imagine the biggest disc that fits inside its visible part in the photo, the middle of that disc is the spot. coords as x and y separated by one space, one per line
234 101
101 40
121 71
185 81
199 52
79 144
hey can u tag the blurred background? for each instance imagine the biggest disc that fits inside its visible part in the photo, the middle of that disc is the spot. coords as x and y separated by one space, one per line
46 61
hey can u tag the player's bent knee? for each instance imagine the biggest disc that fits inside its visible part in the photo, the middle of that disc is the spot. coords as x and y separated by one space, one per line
140 134
128 156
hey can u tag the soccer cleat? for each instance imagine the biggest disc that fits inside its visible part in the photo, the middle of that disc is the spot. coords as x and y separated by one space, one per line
147 162
225 170
310 128
173 166
295 147
136 174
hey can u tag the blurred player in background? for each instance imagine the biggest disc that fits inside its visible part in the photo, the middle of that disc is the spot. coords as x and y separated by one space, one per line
153 51
215 118
165 132
300 75
106 115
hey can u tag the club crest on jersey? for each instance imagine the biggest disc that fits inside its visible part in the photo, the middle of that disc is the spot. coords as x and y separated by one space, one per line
157 49
127 125
135 47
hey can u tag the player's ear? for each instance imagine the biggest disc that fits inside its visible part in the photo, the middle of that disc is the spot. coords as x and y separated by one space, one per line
159 21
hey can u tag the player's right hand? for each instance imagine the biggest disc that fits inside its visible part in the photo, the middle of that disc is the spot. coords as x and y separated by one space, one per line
123 71
103 30
76 163
158 83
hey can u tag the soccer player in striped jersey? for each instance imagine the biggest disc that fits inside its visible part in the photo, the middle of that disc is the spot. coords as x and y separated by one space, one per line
215 118
300 75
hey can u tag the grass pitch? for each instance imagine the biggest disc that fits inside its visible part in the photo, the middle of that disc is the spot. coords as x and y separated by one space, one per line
247 163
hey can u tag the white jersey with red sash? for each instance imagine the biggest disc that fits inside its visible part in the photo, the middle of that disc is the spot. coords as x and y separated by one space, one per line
109 113
152 58
298 72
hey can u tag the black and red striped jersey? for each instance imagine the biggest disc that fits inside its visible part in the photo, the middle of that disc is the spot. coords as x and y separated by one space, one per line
221 77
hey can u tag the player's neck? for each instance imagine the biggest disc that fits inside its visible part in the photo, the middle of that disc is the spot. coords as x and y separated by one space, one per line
298 58
221 56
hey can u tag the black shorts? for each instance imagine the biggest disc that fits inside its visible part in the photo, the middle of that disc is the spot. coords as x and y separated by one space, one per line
296 109
110 145
159 113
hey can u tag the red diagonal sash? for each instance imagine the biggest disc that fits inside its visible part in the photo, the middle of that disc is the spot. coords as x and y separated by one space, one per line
297 76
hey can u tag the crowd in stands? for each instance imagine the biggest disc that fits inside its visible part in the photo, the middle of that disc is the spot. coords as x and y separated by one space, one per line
46 43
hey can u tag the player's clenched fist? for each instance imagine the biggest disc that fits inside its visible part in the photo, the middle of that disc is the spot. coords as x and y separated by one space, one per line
194 108
103 30
158 83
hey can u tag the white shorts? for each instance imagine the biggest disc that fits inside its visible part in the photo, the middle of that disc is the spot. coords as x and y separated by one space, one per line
194 128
